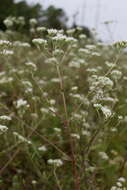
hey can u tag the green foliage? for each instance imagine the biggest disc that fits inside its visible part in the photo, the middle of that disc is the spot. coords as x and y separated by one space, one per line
54 18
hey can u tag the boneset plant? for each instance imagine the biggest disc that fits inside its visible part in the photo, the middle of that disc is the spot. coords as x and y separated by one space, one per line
62 112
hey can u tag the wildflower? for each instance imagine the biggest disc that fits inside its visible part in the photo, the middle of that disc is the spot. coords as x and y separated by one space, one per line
34 182
59 38
119 184
5 42
52 101
58 52
116 75
55 80
52 31
8 22
82 36
74 64
122 179
51 60
42 148
39 41
106 111
21 103
58 130
74 88
31 65
44 110
109 64
33 21
5 117
3 128
55 162
70 31
7 52
41 29
120 44
21 138
103 155
74 135
21 44
70 40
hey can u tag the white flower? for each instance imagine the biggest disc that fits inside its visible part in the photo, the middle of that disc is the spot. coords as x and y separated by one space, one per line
70 40
52 31
82 36
4 117
5 42
3 128
122 179
103 155
42 148
97 106
58 130
74 135
34 182
21 44
59 37
116 75
33 21
8 22
110 65
114 188
119 184
52 102
7 52
41 29
74 88
39 41
31 65
55 80
55 162
44 110
21 103
105 82
106 111
21 138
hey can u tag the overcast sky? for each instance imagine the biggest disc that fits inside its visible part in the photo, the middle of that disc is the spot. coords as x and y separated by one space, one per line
93 13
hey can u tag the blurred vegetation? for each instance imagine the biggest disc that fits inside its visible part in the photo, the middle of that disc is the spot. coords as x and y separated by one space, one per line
51 17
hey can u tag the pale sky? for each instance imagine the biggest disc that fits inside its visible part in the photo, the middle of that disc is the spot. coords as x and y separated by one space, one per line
93 16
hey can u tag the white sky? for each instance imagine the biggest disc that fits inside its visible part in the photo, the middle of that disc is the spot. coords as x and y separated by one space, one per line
93 16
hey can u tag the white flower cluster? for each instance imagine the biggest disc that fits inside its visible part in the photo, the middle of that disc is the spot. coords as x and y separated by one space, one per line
8 22
21 138
21 103
55 162
105 110
6 52
3 129
21 44
119 184
116 74
101 82
103 155
39 41
42 148
5 118
41 29
52 31
76 136
33 22
31 65
5 42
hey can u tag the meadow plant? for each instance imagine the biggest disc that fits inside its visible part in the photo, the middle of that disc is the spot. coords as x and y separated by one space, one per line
63 111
